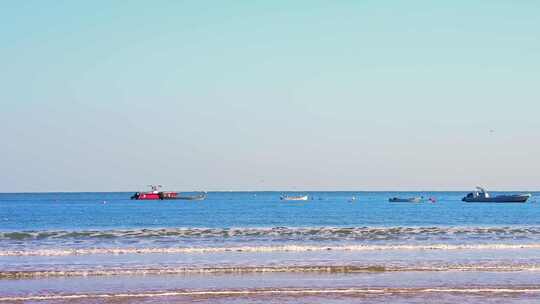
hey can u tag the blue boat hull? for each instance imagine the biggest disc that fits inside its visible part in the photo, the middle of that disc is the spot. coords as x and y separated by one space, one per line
498 199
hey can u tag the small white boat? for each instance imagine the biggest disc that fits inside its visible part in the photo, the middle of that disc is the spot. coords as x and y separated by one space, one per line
294 198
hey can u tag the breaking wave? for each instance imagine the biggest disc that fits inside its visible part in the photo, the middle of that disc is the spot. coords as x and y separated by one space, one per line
24 274
310 233
261 249
284 292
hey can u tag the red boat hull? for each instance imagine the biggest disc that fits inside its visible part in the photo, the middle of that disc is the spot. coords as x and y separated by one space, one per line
147 196
154 196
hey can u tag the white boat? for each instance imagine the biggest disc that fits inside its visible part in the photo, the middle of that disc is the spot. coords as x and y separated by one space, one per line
294 198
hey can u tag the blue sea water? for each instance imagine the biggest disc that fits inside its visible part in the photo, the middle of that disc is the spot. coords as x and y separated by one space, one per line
45 237
80 211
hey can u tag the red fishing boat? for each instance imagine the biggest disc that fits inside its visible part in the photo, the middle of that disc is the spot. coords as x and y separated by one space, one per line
155 194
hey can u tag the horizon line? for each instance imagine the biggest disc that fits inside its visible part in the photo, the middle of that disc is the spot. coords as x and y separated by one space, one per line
282 190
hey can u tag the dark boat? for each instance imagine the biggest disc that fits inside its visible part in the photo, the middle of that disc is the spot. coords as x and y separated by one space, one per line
405 200
482 196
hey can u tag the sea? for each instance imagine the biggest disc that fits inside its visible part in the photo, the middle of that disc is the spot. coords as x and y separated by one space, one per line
252 247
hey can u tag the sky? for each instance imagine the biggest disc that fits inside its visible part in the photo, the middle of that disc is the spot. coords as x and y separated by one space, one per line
269 95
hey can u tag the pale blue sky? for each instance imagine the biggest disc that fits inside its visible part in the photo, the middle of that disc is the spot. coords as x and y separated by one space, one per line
258 95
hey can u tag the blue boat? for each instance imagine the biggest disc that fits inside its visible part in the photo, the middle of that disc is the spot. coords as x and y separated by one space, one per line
405 200
480 195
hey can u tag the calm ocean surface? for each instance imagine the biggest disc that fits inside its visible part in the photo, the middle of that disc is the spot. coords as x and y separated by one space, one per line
238 247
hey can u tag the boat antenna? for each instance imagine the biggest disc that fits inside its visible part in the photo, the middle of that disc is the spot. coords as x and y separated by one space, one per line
481 189
155 187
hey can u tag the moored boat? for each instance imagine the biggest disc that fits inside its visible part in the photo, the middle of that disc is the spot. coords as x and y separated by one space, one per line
155 194
405 200
480 195
293 198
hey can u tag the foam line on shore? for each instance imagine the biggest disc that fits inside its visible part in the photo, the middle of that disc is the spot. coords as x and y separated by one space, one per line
363 233
282 291
24 274
260 249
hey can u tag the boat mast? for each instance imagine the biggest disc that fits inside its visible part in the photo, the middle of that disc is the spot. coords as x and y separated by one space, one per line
482 191
155 188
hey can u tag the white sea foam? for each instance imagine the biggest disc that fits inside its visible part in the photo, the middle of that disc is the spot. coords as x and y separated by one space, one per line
364 233
268 269
262 249
283 291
